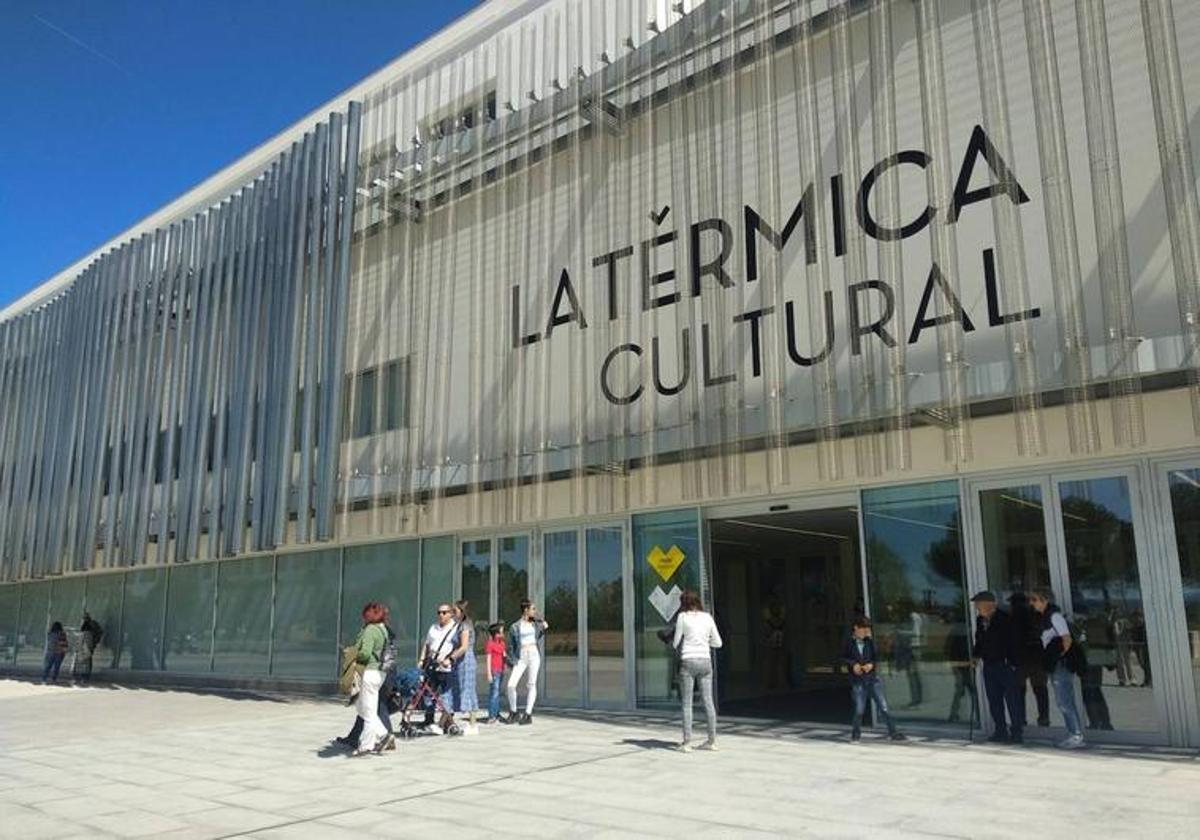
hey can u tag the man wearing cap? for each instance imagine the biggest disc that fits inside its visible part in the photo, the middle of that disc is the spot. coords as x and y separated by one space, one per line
996 648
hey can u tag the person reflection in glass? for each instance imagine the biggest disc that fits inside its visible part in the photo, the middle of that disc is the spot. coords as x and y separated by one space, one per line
1027 628
774 617
1101 654
958 655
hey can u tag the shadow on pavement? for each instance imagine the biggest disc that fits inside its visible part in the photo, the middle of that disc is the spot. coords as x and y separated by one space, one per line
649 743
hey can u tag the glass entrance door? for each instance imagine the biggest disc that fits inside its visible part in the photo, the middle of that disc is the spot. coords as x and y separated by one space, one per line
1078 535
493 579
584 579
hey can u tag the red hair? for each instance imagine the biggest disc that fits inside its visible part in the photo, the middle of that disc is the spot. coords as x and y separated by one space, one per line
374 612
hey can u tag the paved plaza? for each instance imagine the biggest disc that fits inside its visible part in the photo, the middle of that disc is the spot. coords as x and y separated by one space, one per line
130 762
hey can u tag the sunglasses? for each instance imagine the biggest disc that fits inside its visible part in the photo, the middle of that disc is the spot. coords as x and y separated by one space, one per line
443 612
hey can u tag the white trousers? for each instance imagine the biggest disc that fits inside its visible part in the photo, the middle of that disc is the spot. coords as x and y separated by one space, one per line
368 709
529 663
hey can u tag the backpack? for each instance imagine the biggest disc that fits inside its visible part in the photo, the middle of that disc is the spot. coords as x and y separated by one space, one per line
389 654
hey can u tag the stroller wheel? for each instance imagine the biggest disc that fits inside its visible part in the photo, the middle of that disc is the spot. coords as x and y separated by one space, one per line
454 729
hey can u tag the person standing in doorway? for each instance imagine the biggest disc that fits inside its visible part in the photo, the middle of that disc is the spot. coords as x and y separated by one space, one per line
56 650
466 698
1057 645
523 638
863 665
496 651
996 649
696 636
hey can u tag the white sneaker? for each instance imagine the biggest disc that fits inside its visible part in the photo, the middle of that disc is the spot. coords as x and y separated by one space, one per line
710 746
471 729
1071 742
434 729
684 747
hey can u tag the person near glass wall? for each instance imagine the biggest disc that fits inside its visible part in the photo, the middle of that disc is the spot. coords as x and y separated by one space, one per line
388 661
1057 645
497 656
523 637
1027 625
863 666
369 652
439 668
1101 645
90 634
466 699
996 650
696 637
56 650
957 653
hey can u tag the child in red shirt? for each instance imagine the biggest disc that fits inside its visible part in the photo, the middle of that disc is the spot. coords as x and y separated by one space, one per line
496 648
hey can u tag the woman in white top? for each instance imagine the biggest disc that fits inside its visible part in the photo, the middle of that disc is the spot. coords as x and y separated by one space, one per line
695 637
523 638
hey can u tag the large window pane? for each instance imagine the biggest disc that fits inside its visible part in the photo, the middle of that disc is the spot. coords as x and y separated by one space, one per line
306 614
1185 504
1017 557
675 534
190 593
66 603
33 622
142 619
1014 539
605 616
915 576
476 576
10 603
243 616
561 556
1106 602
437 579
512 577
387 573
103 600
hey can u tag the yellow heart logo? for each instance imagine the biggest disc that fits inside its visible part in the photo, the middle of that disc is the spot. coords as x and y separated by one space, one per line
665 562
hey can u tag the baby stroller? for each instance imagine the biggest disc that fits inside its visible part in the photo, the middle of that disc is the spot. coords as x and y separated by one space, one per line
418 689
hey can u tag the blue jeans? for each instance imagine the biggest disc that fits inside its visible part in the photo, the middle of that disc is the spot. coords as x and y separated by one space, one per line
861 690
1064 695
494 695
50 666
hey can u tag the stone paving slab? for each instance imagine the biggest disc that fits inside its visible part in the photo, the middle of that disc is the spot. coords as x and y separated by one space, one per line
125 762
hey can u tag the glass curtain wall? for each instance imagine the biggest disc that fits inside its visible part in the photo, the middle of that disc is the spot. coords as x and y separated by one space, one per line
191 593
10 601
666 561
104 602
242 639
33 623
1184 485
1106 604
918 601
304 631
388 573
437 579
560 557
605 553
142 612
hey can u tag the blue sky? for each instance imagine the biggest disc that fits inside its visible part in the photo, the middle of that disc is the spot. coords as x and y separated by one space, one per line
112 108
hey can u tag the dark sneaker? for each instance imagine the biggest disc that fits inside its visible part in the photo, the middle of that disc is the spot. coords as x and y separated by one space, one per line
999 737
526 719
1016 738
896 736
855 737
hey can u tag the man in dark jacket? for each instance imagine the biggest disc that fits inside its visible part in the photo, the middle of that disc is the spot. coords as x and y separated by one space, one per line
997 648
861 662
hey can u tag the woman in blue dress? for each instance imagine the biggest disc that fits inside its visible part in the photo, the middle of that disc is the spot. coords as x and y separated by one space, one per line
465 697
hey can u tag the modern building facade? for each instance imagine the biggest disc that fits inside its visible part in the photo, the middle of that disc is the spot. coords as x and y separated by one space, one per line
819 307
